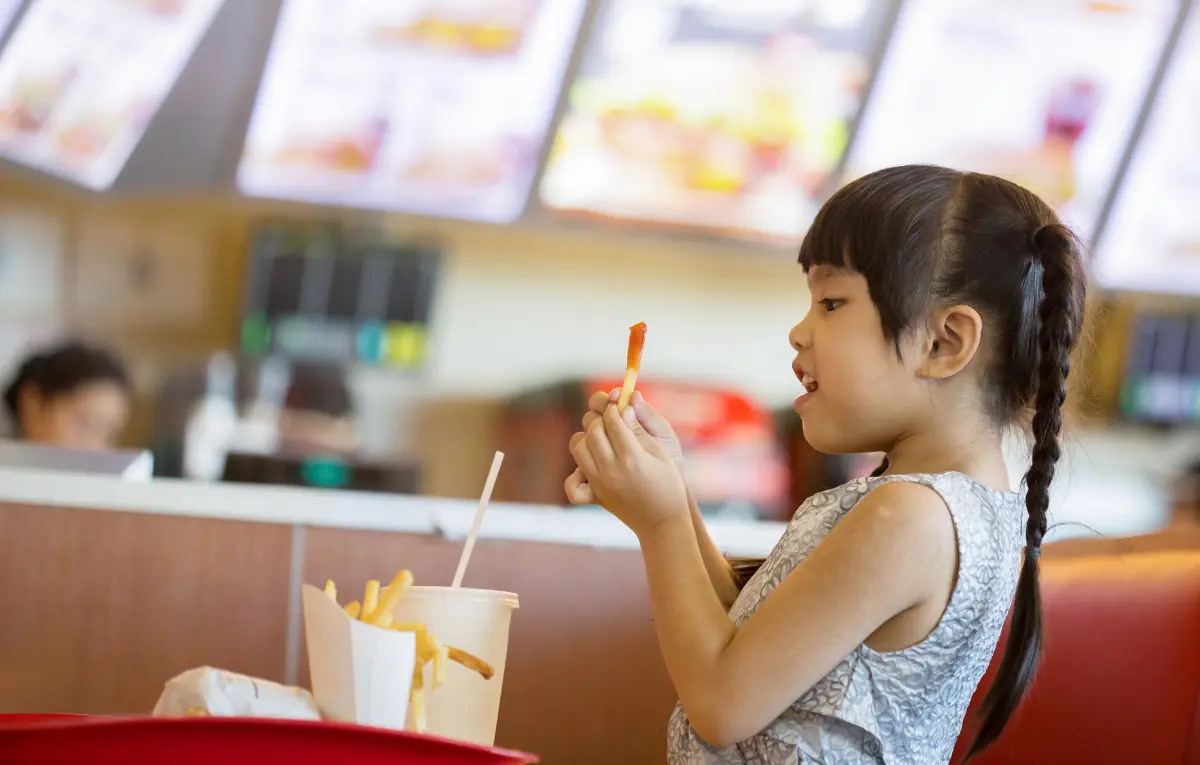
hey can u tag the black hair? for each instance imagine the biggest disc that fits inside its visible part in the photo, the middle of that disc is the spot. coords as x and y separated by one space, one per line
63 369
321 390
923 235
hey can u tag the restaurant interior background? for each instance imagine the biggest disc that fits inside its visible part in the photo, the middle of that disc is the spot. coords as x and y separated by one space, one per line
533 178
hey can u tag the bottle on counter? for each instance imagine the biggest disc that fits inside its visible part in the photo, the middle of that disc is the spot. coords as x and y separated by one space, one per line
257 431
213 422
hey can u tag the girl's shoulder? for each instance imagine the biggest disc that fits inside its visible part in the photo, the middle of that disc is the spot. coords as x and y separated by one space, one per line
961 494
950 481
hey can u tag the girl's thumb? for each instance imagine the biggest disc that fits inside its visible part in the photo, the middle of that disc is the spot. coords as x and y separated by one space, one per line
649 419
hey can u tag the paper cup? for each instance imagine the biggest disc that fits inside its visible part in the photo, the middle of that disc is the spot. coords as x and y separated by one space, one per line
466 707
360 673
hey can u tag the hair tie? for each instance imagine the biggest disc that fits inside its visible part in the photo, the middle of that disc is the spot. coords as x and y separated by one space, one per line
1033 552
1035 238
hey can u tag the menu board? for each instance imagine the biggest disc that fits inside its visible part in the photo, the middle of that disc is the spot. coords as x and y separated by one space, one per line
1043 92
724 116
8 9
435 107
1152 242
79 81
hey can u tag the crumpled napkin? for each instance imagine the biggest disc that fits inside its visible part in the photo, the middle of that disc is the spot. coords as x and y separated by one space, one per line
212 692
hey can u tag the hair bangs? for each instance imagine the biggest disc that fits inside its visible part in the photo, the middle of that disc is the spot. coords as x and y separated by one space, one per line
827 242
885 227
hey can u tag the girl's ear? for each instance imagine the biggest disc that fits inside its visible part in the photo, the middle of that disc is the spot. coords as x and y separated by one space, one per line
953 340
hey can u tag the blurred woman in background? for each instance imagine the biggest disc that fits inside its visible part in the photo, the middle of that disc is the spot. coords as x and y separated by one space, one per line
73 396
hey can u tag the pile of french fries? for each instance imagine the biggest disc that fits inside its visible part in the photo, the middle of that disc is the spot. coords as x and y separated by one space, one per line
376 609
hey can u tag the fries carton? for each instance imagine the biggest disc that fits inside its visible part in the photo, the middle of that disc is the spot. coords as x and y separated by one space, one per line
361 673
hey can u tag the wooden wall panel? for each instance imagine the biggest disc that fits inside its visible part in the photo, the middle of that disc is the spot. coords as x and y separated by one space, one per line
584 683
100 608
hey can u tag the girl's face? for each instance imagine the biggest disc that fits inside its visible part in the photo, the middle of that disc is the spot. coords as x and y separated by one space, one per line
859 392
90 418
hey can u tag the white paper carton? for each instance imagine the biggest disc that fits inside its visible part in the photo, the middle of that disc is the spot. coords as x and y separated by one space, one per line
360 673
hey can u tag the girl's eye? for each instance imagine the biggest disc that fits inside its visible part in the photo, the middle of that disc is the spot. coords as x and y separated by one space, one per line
831 304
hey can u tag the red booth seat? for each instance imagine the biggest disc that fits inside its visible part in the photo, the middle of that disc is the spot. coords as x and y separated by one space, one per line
1119 680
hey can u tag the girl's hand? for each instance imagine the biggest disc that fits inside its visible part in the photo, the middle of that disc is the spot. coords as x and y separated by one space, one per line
634 479
649 427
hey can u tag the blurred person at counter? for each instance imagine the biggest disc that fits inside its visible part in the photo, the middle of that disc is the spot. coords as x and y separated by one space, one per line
73 396
304 432
318 412
296 409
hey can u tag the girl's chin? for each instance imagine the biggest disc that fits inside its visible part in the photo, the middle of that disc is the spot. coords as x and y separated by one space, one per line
803 401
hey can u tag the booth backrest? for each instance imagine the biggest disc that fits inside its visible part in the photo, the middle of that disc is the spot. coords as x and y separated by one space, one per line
1119 680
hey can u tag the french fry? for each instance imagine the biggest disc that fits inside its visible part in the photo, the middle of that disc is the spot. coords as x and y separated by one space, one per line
370 600
440 660
418 683
633 363
417 698
352 608
473 663
409 627
392 595
331 590
427 648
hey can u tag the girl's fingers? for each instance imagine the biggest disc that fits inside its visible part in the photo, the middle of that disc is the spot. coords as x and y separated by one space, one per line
599 446
599 401
648 417
577 489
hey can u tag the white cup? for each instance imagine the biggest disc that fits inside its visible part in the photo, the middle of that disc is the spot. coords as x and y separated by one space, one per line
466 707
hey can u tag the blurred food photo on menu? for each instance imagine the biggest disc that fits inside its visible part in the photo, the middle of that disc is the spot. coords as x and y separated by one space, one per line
990 86
80 82
436 108
729 117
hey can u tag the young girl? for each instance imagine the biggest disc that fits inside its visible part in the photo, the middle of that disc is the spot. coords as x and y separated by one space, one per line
945 306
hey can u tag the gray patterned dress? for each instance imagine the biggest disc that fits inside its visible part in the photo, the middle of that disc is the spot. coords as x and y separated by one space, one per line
899 708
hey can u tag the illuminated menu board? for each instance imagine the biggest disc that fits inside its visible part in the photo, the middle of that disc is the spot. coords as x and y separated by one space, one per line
724 116
1152 239
8 9
435 107
1043 92
79 81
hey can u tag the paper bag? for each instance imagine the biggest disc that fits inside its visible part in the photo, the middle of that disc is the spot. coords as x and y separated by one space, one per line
217 693
360 673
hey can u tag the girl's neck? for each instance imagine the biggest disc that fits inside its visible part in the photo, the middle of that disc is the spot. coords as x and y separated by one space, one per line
974 449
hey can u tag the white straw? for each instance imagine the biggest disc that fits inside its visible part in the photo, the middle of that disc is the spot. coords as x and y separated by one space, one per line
475 524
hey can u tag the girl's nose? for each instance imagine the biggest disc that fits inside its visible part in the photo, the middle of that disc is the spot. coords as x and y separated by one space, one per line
799 337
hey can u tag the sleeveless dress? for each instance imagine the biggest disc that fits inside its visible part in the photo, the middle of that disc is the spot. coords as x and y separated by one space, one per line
897 708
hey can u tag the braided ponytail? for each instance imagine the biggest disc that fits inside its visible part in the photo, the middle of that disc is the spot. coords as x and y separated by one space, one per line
1056 331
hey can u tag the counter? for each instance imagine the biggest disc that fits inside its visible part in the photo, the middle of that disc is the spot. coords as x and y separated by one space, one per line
110 587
